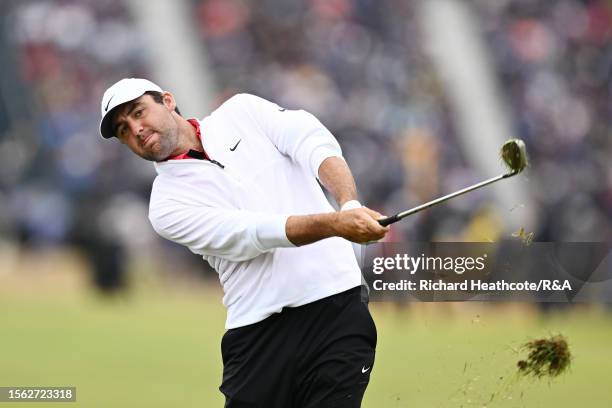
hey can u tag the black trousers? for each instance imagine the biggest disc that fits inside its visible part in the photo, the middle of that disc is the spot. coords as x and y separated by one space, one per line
317 355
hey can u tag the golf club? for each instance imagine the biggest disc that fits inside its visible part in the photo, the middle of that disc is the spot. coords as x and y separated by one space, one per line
514 155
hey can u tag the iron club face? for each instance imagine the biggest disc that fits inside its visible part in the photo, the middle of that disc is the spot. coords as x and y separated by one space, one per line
514 155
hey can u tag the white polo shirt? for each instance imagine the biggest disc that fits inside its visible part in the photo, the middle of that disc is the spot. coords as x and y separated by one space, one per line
233 212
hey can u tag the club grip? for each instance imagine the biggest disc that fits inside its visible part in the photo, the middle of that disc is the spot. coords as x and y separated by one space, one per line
389 220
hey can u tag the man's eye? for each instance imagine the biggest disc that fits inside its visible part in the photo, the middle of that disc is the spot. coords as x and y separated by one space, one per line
138 113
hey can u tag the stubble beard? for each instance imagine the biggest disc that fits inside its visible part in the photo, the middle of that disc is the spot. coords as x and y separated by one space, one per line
162 148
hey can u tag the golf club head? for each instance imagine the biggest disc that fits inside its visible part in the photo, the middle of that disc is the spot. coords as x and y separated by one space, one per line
514 155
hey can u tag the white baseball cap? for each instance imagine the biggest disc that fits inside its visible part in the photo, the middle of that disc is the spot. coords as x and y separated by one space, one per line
121 92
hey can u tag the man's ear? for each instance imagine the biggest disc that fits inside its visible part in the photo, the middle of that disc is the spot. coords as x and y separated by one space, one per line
169 101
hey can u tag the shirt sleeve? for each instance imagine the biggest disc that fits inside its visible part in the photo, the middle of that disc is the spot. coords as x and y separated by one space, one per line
235 235
295 133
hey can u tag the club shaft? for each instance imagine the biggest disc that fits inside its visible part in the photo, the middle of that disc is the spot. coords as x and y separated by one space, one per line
399 216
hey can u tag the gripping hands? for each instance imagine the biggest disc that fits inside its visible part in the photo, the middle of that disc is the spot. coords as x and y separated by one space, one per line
360 225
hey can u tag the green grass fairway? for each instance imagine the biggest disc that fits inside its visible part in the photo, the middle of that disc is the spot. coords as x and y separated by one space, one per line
163 351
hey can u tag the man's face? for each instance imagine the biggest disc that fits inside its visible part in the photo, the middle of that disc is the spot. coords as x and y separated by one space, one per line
148 128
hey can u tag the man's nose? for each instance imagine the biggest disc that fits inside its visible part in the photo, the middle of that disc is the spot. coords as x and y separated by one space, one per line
135 128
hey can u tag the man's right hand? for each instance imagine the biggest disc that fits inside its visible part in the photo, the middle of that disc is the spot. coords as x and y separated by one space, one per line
359 225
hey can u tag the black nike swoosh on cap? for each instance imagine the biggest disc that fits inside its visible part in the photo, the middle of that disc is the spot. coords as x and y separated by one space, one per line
108 103
235 146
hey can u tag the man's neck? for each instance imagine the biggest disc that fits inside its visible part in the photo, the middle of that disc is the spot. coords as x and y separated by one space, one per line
187 138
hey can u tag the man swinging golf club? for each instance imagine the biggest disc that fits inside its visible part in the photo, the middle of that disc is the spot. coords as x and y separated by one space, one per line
240 189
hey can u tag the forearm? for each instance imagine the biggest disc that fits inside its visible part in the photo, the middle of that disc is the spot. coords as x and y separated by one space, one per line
306 229
358 225
336 177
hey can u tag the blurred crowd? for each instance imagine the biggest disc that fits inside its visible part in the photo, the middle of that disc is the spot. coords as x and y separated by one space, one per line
554 60
60 183
359 65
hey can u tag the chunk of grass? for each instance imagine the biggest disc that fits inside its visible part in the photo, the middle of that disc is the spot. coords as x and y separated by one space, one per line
548 357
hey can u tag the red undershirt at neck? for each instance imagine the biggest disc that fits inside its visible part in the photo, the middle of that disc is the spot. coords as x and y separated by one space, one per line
193 154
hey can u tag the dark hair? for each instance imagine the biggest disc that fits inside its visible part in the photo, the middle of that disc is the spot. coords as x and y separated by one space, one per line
159 98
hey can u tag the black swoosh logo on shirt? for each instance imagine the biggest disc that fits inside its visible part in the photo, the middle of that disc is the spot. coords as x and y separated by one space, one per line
235 146
108 103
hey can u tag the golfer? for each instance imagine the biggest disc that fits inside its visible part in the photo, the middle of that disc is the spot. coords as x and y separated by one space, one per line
239 188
